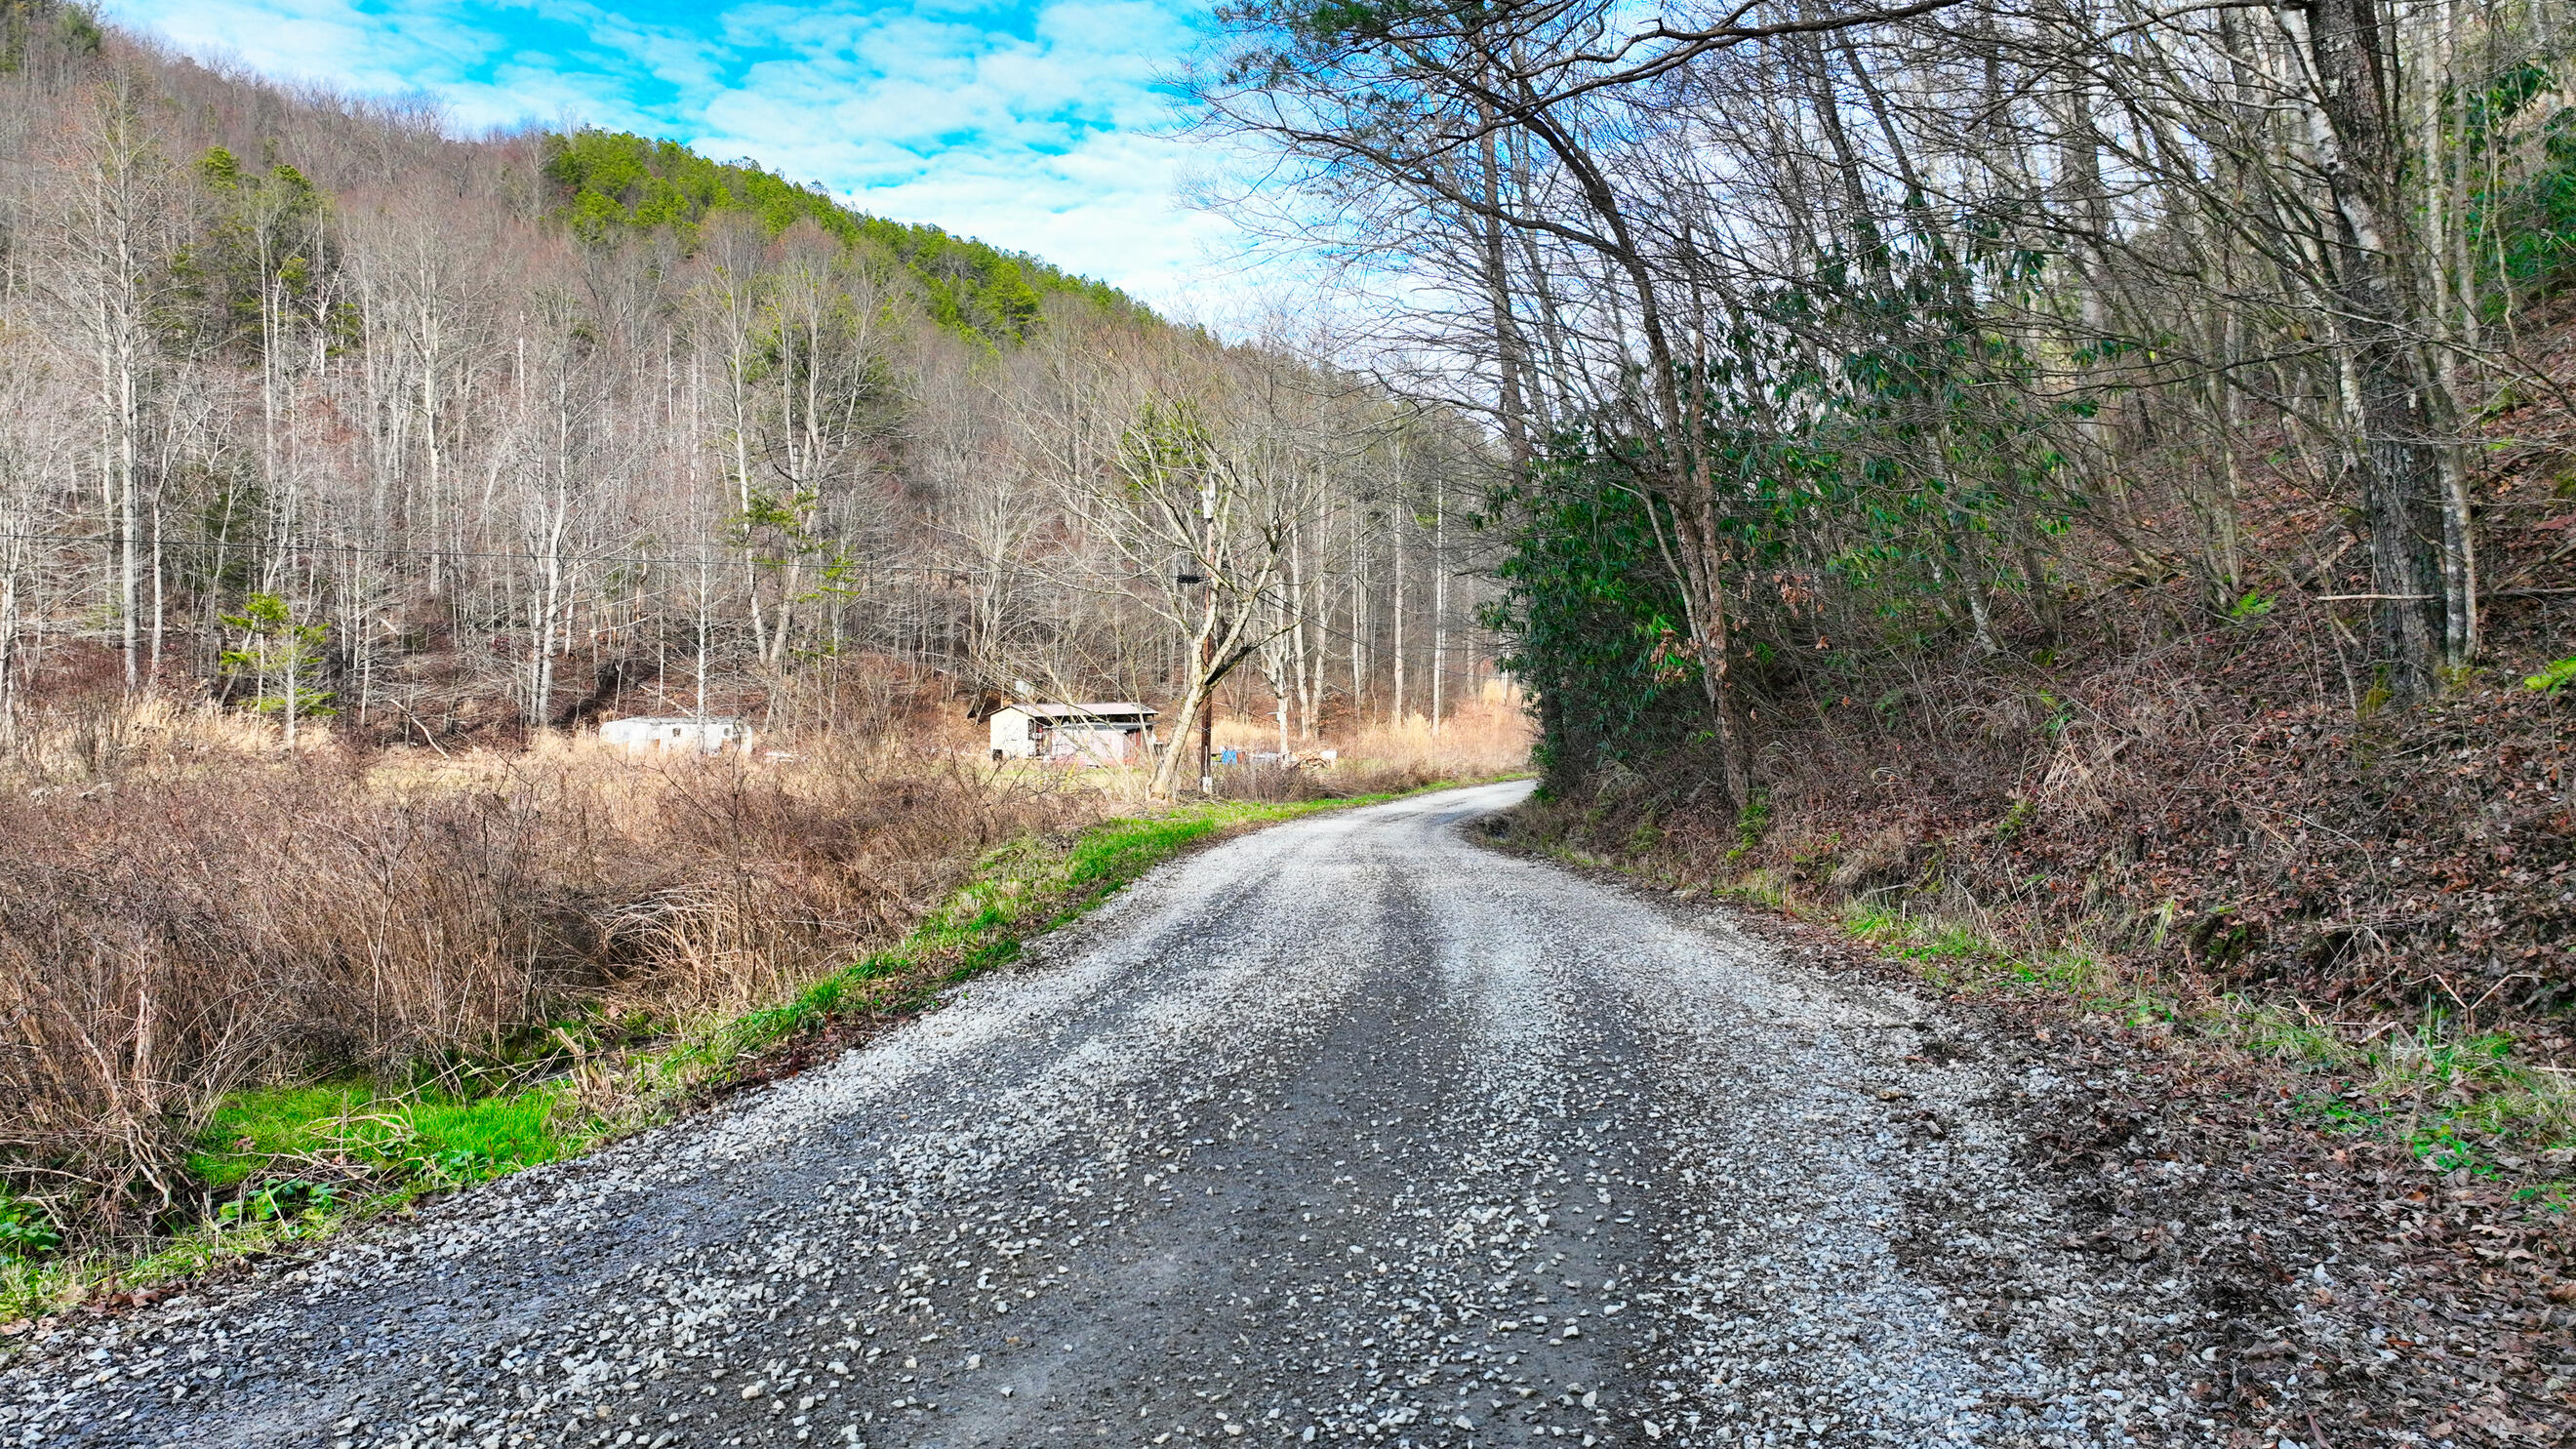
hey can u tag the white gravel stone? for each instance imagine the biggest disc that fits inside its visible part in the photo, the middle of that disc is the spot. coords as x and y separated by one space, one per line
1350 1130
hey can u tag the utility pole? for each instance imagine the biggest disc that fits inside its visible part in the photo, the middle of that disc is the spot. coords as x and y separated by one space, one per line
1402 512
1192 572
1207 636
1439 600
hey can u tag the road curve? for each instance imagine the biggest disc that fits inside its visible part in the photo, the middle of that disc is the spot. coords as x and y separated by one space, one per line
1352 1130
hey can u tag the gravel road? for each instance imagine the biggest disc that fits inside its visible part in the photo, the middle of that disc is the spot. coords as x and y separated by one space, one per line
1351 1130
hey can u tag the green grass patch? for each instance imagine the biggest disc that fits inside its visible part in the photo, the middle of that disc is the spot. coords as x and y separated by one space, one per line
1024 889
260 1132
255 1127
2455 1099
288 1164
1761 887
1956 957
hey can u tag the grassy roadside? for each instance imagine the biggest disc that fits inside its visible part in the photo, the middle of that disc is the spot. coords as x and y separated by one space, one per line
2459 1102
278 1166
2455 1100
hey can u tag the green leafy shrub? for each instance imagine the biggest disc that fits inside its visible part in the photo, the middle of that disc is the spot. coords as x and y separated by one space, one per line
2016 819
1751 824
279 1200
2554 677
27 1231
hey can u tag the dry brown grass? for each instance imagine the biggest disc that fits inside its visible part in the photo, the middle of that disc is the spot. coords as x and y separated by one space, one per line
183 911
186 910
1485 734
1488 733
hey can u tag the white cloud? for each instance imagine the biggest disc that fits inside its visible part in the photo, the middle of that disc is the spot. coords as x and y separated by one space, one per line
1021 126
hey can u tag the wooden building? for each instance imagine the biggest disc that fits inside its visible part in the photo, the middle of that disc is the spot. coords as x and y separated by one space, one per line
1117 733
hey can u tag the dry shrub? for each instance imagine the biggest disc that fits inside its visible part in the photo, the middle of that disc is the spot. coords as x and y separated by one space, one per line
1481 735
1488 734
216 917
1886 858
1274 782
2201 816
96 733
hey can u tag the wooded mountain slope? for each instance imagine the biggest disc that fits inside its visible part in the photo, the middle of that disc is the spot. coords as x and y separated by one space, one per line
318 408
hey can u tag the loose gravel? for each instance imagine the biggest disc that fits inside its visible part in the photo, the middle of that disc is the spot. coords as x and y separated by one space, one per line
1349 1131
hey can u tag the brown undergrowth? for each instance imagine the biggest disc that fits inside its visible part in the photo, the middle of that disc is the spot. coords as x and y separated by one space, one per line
2186 814
2203 813
2356 1292
197 913
1484 735
2311 955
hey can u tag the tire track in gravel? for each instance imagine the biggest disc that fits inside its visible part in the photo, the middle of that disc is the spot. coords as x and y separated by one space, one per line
1349 1131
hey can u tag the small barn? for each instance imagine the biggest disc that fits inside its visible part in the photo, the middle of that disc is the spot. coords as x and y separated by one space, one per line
1116 733
705 735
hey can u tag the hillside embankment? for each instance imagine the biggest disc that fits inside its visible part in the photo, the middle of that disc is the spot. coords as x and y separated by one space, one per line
2323 960
2333 936
2181 805
2172 824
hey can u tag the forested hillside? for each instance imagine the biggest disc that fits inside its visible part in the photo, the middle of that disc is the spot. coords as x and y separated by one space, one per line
316 409
351 469
616 183
2098 473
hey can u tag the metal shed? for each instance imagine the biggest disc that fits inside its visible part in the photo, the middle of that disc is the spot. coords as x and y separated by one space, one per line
1110 733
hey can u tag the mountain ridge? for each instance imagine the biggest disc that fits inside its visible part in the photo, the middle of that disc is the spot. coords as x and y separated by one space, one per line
615 181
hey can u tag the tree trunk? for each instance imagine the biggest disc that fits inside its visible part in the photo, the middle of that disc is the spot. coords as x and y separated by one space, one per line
2380 318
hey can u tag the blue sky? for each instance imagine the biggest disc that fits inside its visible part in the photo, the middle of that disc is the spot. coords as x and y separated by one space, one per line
1023 122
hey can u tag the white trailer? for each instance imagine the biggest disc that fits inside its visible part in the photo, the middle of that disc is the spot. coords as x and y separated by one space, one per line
684 734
